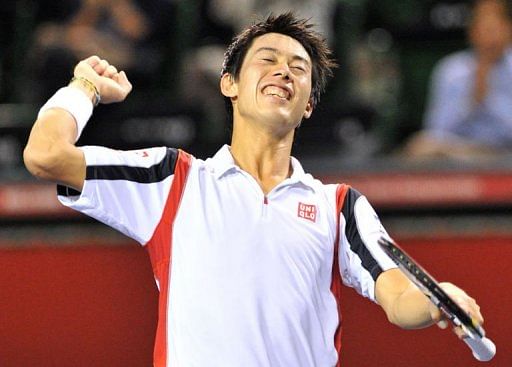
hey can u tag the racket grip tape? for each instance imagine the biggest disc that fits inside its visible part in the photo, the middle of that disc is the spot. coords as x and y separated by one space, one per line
483 349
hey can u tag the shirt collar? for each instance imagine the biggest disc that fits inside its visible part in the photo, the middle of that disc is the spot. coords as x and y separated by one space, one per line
223 163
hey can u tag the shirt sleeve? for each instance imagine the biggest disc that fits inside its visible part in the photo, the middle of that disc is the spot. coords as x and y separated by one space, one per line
126 190
361 259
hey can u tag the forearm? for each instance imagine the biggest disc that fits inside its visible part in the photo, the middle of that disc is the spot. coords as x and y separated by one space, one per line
405 305
51 140
62 119
412 309
50 153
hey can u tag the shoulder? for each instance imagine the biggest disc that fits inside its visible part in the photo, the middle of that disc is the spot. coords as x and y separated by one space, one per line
354 206
455 65
349 196
508 59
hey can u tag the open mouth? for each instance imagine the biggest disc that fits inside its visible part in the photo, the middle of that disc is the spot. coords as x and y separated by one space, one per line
272 90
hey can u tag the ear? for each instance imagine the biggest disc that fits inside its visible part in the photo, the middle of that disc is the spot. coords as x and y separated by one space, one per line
228 86
309 109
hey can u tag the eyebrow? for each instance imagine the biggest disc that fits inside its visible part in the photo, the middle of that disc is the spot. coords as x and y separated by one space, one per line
275 50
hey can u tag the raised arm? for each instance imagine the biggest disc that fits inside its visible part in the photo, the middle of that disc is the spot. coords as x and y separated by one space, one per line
50 153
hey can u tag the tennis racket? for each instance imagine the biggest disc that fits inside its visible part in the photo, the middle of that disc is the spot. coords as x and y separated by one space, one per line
482 347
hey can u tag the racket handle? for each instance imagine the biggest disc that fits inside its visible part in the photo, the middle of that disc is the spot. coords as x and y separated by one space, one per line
483 349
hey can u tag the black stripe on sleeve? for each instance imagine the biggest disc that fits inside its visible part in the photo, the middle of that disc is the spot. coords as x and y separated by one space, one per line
354 238
66 191
155 173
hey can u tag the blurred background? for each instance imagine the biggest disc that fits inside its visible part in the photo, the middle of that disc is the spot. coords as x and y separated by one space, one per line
75 293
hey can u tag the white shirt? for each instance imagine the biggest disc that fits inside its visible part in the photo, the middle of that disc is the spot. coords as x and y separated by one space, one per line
246 277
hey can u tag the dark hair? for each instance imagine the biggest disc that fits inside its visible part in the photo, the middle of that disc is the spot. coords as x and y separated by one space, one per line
287 24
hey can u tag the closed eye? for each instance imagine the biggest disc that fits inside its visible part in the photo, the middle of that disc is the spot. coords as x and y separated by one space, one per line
299 69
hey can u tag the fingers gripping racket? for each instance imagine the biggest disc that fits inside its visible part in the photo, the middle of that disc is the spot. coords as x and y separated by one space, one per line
482 347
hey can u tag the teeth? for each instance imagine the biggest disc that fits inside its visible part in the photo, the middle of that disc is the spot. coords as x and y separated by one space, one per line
276 91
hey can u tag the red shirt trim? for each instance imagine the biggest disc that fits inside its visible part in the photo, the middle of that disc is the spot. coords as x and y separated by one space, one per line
336 282
160 250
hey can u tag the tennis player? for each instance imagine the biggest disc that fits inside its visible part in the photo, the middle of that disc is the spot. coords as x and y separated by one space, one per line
248 250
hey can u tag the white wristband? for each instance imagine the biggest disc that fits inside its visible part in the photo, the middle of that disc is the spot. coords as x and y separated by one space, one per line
73 100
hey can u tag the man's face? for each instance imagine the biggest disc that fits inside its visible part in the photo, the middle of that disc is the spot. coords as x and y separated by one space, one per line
490 30
274 84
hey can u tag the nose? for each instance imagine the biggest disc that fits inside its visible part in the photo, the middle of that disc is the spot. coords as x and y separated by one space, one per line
283 71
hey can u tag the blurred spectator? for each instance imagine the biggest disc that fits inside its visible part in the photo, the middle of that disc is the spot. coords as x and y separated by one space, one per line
470 109
119 30
236 12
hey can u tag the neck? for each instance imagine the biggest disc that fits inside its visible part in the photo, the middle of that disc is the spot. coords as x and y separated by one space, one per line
265 156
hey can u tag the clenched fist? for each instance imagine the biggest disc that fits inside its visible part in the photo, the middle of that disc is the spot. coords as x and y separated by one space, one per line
113 86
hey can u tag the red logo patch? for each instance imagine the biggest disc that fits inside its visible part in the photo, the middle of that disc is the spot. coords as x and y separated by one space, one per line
142 153
307 211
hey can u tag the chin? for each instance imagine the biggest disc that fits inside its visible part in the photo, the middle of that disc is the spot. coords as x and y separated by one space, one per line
285 125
